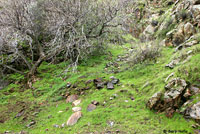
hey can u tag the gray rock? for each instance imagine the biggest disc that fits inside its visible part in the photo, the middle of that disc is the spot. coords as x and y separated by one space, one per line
56 126
176 83
91 107
195 111
172 94
111 123
99 83
115 81
110 85
194 90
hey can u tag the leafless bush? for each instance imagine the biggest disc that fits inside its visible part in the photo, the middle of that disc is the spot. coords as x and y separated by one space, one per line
144 53
36 30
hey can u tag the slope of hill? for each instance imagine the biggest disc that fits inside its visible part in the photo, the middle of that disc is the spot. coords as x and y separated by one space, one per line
114 91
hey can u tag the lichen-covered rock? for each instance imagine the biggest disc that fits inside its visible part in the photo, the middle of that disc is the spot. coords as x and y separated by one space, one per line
194 90
176 83
193 111
173 97
154 100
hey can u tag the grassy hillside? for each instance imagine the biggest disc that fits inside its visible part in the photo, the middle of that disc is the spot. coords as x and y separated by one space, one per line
155 34
122 110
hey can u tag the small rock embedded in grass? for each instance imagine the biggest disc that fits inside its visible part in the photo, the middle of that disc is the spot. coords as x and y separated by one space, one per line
95 102
111 123
99 83
168 77
71 98
63 125
126 101
76 109
31 124
69 85
76 102
132 98
115 95
56 126
74 118
110 85
60 111
91 107
115 81
20 113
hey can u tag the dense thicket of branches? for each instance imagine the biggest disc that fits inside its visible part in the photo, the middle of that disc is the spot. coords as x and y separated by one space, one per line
32 31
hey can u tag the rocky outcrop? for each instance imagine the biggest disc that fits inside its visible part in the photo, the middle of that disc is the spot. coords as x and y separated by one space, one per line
172 99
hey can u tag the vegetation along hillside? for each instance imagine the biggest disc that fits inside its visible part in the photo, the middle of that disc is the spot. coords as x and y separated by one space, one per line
99 66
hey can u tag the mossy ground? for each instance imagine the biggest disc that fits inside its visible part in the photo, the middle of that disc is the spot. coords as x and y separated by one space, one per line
129 116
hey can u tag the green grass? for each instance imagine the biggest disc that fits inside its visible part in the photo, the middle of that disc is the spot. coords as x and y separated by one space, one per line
128 117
